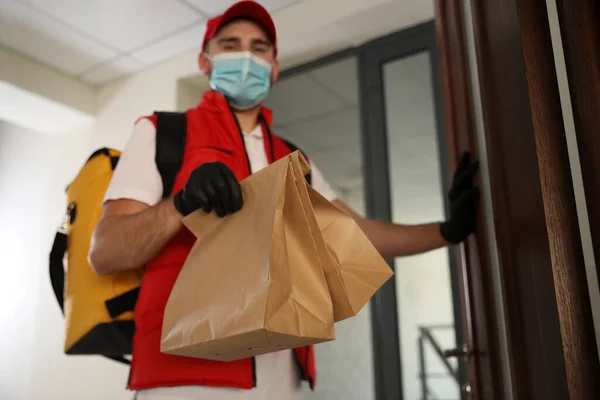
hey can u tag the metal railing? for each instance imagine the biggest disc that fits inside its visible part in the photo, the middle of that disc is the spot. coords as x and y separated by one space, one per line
425 336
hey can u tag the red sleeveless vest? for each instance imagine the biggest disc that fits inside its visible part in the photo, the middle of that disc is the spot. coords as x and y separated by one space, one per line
212 135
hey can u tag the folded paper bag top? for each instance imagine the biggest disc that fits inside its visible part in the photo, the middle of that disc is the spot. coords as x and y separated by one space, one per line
358 270
353 268
253 282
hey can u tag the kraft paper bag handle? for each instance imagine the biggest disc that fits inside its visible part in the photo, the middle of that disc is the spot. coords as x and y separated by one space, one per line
302 162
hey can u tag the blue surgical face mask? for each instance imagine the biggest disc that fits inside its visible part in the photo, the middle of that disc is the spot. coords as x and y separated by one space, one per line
242 77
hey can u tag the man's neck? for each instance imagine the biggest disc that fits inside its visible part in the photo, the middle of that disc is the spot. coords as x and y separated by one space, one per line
248 119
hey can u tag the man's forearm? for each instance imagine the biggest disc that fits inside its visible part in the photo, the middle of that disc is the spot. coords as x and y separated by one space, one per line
392 240
124 242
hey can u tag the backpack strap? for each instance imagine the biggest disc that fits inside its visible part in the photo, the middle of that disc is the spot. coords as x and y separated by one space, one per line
171 132
57 269
116 306
57 277
293 148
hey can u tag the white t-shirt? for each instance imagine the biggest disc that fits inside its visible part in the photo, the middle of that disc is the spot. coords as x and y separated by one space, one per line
136 177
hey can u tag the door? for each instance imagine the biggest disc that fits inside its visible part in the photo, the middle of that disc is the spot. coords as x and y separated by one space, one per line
426 309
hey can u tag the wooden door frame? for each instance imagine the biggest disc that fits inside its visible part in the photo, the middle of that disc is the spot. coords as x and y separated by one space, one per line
550 327
477 287
580 30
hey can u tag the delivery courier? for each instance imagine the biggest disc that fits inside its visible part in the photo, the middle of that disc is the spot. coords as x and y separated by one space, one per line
228 138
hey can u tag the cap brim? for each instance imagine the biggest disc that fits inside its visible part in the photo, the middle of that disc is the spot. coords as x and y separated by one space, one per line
251 10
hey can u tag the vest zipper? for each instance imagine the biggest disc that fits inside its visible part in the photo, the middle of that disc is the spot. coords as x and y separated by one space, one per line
269 137
253 371
129 378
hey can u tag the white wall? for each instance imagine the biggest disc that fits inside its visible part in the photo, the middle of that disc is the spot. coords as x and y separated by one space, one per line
34 170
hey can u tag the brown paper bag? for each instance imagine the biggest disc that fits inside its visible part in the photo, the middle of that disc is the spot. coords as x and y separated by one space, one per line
353 268
253 283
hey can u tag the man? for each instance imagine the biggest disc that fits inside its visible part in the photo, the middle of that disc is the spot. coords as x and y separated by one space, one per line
228 138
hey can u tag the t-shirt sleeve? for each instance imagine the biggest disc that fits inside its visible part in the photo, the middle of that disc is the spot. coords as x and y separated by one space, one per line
136 176
321 185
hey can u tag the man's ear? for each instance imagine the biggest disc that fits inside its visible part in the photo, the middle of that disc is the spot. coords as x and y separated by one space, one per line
204 64
275 72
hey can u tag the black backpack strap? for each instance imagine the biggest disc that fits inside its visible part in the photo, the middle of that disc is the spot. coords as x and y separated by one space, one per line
122 303
57 269
57 277
171 132
293 148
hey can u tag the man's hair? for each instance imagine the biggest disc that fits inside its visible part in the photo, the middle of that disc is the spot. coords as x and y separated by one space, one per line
240 19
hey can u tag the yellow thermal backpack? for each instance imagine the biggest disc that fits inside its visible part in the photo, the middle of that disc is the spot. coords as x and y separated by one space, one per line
98 310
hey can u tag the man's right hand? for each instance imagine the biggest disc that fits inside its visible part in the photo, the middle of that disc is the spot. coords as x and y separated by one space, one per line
211 186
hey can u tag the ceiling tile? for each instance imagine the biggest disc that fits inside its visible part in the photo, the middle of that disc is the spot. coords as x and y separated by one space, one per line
300 98
408 79
351 153
113 70
341 78
186 40
215 7
302 143
124 25
336 171
340 128
341 166
46 41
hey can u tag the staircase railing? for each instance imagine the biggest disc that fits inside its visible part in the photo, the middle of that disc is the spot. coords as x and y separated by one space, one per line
425 335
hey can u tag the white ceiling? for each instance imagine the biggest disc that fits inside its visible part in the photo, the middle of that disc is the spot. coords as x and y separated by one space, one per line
100 40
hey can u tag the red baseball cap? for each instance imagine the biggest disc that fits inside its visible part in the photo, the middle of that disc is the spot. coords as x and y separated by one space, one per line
243 9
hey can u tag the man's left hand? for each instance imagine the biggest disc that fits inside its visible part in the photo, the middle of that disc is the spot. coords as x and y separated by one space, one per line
463 196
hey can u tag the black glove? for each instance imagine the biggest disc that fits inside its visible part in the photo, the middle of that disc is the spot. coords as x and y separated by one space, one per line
463 197
211 186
